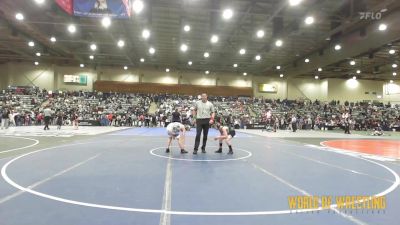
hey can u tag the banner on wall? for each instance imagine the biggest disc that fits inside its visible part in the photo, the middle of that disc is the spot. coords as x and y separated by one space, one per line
267 88
75 79
66 5
101 8
89 123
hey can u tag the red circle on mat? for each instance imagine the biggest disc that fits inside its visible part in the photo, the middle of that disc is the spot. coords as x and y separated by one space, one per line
386 148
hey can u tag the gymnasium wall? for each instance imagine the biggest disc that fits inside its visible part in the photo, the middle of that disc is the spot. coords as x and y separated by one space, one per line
173 77
116 86
307 89
354 90
28 75
391 93
51 78
3 76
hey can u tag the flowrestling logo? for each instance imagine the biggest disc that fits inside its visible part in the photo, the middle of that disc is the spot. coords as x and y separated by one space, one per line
372 15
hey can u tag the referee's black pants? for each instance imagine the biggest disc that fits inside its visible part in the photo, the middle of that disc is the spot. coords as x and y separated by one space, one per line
294 127
201 125
347 129
46 122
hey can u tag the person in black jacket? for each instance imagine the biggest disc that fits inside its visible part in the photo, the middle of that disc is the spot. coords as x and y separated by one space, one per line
5 117
176 116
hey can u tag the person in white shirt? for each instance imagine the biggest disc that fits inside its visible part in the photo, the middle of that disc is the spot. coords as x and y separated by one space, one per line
294 123
204 114
177 131
47 117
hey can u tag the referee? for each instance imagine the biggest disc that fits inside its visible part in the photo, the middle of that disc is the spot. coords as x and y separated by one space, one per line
204 114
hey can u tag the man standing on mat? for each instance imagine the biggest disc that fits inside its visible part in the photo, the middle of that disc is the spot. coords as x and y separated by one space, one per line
47 117
5 116
204 116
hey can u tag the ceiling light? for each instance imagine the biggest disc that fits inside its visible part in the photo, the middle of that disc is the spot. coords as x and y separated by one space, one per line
207 72
391 81
244 74
186 28
242 51
145 33
394 65
184 47
354 78
227 14
316 77
141 59
394 74
93 47
31 44
358 71
53 39
309 20
137 6
190 63
214 39
125 67
278 67
307 60
38 54
278 43
294 2
19 16
106 22
82 65
235 65
258 57
338 47
280 75
352 62
392 51
320 69
36 63
72 28
167 70
152 50
91 57
382 27
260 33
121 43
206 54
39 1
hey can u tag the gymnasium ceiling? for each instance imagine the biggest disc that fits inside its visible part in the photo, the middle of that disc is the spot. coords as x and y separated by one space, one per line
336 22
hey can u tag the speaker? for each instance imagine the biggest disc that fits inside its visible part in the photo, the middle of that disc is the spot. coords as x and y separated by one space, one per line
371 55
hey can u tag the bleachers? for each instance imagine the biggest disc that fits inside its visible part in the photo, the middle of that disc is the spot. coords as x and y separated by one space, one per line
92 106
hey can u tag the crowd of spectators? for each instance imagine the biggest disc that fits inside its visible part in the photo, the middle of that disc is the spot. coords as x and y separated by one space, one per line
329 115
117 109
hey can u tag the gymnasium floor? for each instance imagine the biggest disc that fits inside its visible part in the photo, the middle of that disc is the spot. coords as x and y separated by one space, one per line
122 176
